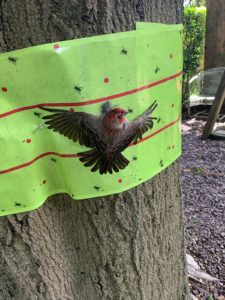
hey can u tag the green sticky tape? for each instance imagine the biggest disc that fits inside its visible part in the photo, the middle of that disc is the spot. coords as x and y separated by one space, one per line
129 70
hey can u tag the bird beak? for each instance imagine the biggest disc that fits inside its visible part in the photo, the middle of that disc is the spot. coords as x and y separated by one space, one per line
125 112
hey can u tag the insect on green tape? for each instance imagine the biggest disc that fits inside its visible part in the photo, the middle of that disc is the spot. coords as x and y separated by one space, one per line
90 117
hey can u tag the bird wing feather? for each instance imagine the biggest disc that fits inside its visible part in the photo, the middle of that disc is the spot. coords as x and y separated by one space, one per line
77 126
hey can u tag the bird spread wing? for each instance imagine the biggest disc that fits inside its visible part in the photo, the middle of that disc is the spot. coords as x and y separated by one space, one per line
77 126
136 129
84 128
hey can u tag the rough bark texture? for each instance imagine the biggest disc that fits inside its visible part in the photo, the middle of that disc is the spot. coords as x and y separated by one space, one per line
215 34
127 246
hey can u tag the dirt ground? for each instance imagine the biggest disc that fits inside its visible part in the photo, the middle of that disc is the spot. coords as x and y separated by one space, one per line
203 184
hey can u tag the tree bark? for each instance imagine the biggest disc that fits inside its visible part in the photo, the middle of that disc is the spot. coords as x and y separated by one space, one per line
215 34
125 246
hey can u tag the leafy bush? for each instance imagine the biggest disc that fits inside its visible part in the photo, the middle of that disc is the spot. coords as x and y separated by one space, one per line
194 22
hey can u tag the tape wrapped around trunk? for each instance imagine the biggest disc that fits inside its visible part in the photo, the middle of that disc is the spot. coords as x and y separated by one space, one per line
129 70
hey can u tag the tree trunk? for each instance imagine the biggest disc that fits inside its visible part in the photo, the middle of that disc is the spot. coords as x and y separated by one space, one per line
215 34
126 246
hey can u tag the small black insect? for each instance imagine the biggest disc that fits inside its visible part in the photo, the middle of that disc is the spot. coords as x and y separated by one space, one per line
17 204
158 120
54 160
157 69
161 163
97 188
130 110
78 88
134 157
13 59
37 114
124 51
2 210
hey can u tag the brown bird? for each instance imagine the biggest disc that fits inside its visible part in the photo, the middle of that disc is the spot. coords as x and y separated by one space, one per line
108 135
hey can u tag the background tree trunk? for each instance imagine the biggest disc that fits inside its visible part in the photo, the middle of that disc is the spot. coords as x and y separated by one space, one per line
215 34
126 246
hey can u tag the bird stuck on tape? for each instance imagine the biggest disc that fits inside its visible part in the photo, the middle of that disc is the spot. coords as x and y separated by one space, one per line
107 135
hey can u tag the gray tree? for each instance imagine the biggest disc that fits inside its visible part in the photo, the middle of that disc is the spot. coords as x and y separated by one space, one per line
215 34
125 246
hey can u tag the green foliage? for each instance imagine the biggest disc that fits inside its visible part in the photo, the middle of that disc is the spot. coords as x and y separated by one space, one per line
194 40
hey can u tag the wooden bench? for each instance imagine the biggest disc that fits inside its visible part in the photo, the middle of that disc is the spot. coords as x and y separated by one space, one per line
203 88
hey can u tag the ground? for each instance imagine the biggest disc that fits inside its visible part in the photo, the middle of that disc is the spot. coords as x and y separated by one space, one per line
203 184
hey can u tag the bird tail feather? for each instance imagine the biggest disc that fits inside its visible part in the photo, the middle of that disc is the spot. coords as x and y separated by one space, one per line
100 161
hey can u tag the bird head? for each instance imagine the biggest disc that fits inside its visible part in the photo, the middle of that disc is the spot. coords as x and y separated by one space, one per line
115 116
